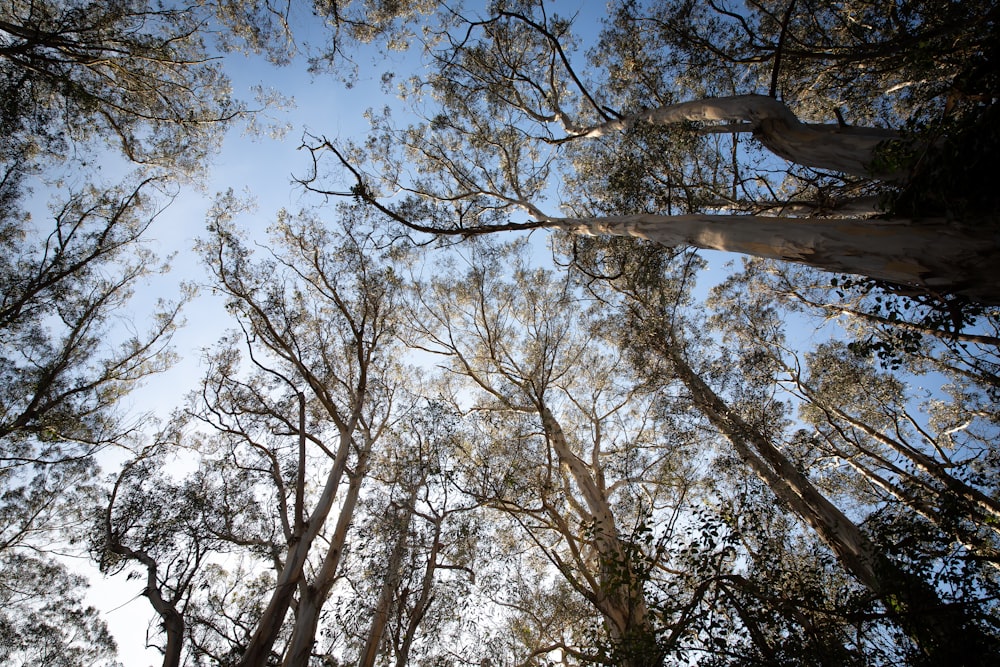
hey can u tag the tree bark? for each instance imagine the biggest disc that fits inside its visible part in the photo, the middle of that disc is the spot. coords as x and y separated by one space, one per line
931 255
621 600
832 147
315 593
269 626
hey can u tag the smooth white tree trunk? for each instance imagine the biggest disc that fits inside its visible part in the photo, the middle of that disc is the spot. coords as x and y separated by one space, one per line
832 147
931 255
621 599
314 594
269 626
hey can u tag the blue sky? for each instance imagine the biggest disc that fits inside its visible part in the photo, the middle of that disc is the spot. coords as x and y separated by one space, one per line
264 168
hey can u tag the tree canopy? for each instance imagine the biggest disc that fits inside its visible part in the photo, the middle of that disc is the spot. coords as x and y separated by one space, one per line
485 399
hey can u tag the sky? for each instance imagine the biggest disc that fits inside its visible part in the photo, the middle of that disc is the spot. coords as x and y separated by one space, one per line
263 168
260 167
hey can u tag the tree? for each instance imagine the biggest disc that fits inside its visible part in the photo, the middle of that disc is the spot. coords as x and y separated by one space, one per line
130 73
317 319
512 112
43 619
171 531
428 539
571 449
59 387
753 421
920 456
60 376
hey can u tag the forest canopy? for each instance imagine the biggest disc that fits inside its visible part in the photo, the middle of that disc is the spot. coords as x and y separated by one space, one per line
488 396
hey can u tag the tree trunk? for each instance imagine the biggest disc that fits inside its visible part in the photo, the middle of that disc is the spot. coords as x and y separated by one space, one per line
943 633
171 618
931 255
269 626
424 601
315 593
621 600
389 584
832 147
784 479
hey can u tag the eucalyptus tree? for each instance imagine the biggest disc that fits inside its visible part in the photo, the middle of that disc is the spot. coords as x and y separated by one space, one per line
746 409
509 106
67 356
929 451
83 84
408 580
166 532
133 74
44 620
573 450
319 391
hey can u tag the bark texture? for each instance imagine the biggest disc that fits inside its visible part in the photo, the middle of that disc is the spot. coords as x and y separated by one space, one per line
833 147
931 255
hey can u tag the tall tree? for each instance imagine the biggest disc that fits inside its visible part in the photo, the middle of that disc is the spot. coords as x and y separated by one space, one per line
511 109
919 450
167 532
317 318
44 620
66 361
132 73
571 448
753 422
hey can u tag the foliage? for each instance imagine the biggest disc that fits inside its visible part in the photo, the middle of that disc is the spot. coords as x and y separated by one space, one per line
596 463
131 73
43 619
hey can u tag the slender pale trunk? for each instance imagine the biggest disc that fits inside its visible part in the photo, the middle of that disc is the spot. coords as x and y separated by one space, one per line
930 255
621 601
834 147
269 626
927 254
313 595
390 583
424 601
944 633
791 486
